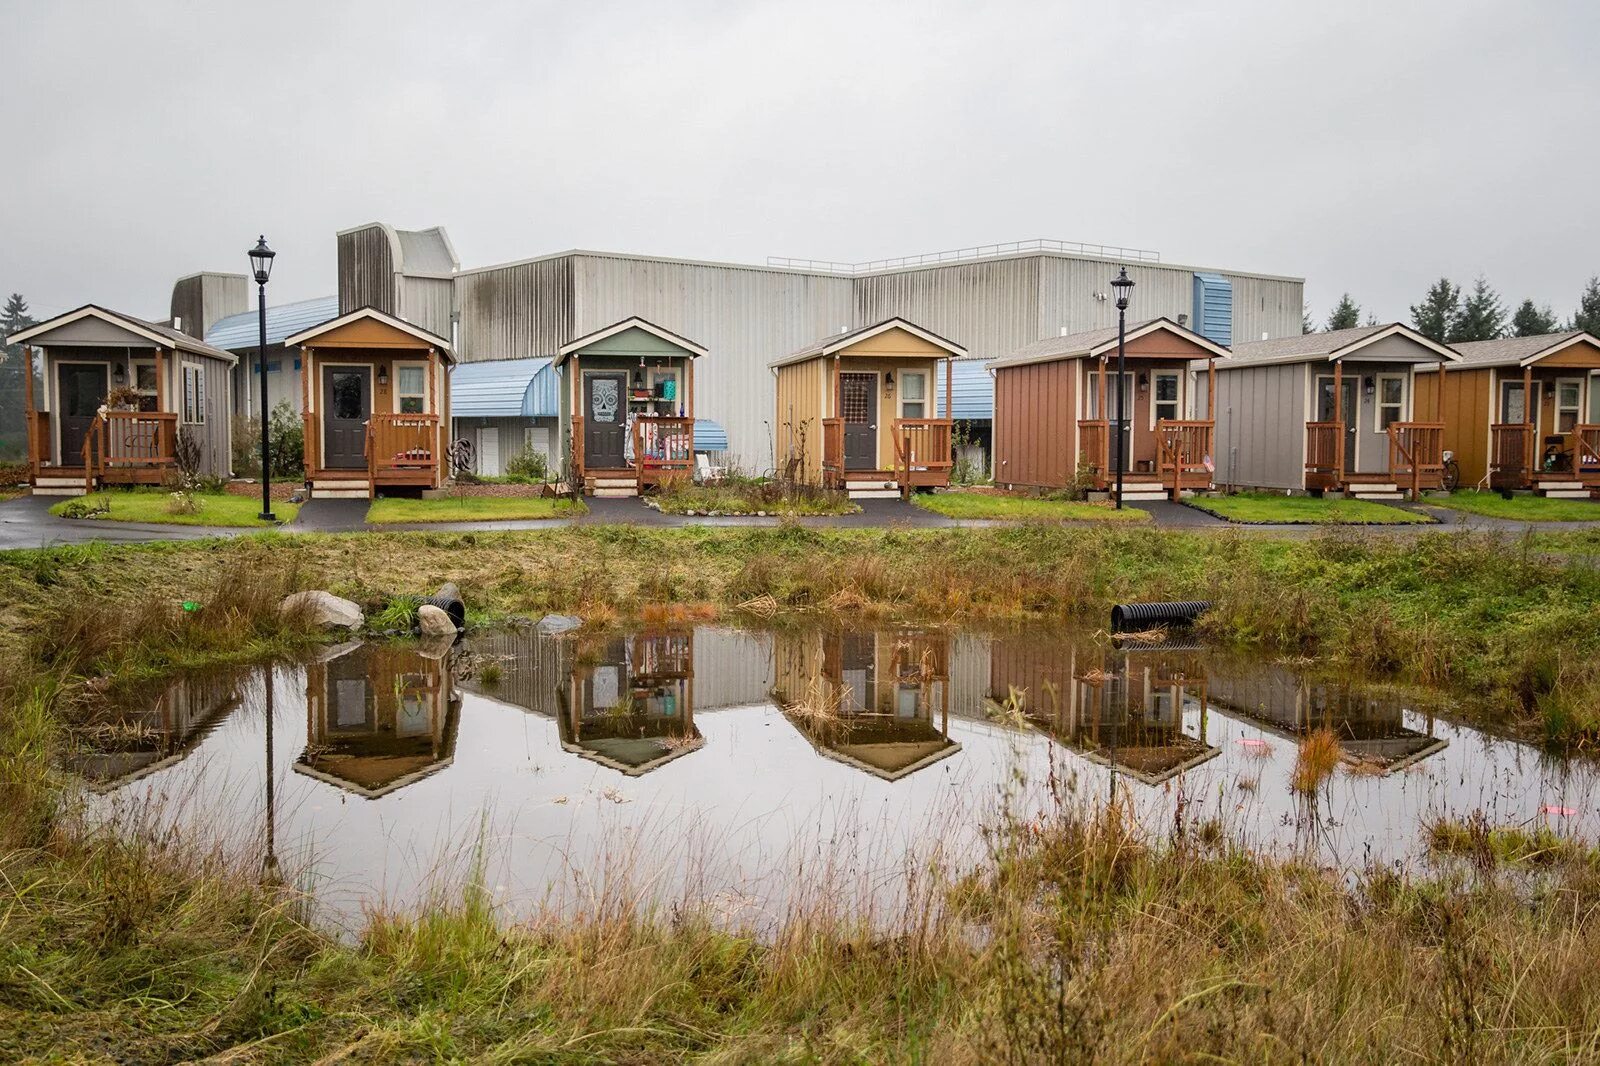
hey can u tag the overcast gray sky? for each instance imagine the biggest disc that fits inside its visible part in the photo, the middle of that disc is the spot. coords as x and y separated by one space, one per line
1368 147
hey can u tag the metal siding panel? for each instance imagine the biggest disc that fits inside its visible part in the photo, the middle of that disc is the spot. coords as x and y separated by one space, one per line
520 311
366 270
989 308
427 302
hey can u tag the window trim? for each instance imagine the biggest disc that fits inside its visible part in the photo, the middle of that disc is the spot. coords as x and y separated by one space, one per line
1555 405
196 373
1155 392
1378 404
900 394
1506 385
398 397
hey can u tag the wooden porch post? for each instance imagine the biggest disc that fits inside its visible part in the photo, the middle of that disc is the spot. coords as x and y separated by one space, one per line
1438 408
949 389
688 385
1211 390
161 379
838 400
35 461
1338 418
1530 418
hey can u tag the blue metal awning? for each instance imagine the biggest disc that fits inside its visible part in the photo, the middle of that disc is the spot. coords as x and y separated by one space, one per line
504 388
974 390
709 436
238 332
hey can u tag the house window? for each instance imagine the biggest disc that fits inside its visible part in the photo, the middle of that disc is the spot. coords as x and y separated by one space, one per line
194 394
411 389
1513 406
144 383
1569 404
913 394
1594 399
1166 399
1391 400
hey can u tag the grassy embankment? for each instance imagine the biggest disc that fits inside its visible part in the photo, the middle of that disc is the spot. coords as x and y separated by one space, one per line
155 506
1266 507
957 504
750 496
472 509
1089 941
1519 508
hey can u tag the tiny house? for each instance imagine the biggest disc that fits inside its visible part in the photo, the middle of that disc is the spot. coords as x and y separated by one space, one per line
375 403
856 410
1344 411
1057 400
1500 439
119 393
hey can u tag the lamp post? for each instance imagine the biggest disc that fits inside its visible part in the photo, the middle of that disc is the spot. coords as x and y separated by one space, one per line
1124 286
261 264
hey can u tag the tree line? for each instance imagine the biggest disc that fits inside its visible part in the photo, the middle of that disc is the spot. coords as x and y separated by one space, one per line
1449 314
13 388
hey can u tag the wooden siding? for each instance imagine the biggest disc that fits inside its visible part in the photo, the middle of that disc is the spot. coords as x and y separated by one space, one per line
1581 354
801 395
1261 426
1467 414
1035 424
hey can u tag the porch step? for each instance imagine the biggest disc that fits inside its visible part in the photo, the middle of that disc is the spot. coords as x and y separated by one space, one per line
1563 483
614 482
874 494
1365 495
58 490
1578 493
343 489
1143 495
58 482
615 492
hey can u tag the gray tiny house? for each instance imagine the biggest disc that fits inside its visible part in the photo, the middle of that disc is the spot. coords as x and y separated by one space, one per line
1331 412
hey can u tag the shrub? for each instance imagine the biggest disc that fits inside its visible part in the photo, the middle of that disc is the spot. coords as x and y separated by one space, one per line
286 441
528 466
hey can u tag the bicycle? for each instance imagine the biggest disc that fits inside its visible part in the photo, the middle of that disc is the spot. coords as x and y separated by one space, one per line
1451 472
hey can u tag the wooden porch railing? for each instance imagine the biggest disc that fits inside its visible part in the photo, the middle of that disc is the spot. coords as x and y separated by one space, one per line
1586 449
403 447
833 451
38 426
1510 455
923 452
1416 453
1094 444
1183 454
121 444
662 446
1324 455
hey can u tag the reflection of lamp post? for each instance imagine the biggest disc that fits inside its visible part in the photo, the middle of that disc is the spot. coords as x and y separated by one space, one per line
261 264
1124 286
269 864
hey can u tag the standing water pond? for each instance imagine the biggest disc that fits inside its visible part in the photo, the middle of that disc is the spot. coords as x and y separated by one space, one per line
744 768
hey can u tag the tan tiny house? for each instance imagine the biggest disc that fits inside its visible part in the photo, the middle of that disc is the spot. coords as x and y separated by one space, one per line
376 404
1055 402
1503 442
856 410
118 393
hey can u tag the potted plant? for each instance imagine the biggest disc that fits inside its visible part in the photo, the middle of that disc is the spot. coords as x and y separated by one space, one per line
122 398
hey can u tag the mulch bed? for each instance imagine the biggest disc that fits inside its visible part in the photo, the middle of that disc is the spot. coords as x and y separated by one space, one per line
281 490
514 491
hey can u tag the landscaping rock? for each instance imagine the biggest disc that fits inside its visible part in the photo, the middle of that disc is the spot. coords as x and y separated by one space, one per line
559 623
324 609
436 648
435 622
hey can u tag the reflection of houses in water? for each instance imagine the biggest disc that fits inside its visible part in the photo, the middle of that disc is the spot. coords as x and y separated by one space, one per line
878 701
140 743
629 701
1121 707
378 717
1368 723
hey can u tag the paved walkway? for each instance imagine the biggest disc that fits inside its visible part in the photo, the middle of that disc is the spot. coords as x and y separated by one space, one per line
27 523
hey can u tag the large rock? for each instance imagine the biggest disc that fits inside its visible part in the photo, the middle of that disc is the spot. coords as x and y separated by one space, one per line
559 623
435 621
323 609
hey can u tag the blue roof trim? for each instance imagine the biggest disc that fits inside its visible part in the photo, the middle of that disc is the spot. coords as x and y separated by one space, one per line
504 388
239 332
709 436
973 387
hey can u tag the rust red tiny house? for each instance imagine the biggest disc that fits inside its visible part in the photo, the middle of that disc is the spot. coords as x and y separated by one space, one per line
1055 406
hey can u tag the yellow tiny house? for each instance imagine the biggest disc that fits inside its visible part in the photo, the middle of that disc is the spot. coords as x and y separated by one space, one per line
856 410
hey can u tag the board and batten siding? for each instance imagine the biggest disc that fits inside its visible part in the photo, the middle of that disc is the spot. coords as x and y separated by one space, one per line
1035 424
801 394
1467 414
215 436
1261 426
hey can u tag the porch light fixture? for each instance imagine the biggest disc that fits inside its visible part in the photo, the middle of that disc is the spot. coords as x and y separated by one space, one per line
120 374
1144 381
1369 385
383 376
261 265
888 383
1123 286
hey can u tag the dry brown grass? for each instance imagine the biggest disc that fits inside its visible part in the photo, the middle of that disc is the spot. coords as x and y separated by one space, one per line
1317 759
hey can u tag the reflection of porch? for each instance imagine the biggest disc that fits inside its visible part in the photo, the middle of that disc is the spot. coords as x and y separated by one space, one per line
119 448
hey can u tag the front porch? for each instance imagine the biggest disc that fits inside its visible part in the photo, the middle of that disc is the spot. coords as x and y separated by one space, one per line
118 448
1415 461
1560 464
1182 463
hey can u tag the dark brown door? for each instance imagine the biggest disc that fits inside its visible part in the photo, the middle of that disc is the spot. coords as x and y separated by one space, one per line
1347 415
858 405
346 406
81 389
605 401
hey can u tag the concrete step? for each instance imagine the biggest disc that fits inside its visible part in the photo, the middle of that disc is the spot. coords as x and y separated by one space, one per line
1565 494
1364 495
871 485
58 482
1570 483
616 493
1143 495
874 494
341 483
339 494
614 483
58 490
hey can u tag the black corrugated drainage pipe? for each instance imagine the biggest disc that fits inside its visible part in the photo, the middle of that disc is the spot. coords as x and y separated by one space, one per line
448 599
1134 617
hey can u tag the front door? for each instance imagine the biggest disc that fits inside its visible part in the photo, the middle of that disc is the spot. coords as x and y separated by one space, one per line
604 427
1325 413
858 405
80 392
346 407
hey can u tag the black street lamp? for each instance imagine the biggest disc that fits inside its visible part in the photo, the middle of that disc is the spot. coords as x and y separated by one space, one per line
261 264
1124 286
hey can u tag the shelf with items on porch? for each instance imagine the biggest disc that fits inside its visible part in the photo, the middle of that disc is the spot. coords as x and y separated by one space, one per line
855 411
376 405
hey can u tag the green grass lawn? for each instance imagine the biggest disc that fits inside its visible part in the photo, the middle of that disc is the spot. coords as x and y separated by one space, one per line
154 506
472 509
1520 508
1267 507
989 505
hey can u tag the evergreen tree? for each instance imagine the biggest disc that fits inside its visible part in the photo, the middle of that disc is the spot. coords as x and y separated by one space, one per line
1533 321
13 383
1587 317
1436 315
1482 318
1345 316
1306 324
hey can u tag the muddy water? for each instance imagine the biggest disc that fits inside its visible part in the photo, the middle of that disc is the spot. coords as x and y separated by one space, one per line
750 768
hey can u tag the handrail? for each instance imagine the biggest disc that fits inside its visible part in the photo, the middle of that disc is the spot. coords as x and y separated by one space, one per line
1324 464
404 443
925 447
1420 447
1094 442
662 444
1510 454
1586 447
833 447
1183 451
38 428
577 451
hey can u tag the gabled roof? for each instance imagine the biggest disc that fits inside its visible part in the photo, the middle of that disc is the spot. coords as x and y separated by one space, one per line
1331 346
1096 342
372 313
159 335
631 322
836 342
1520 351
243 330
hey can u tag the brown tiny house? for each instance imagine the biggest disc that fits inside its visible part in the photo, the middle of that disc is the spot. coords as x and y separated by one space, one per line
118 393
1054 404
856 410
376 404
628 403
1552 445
